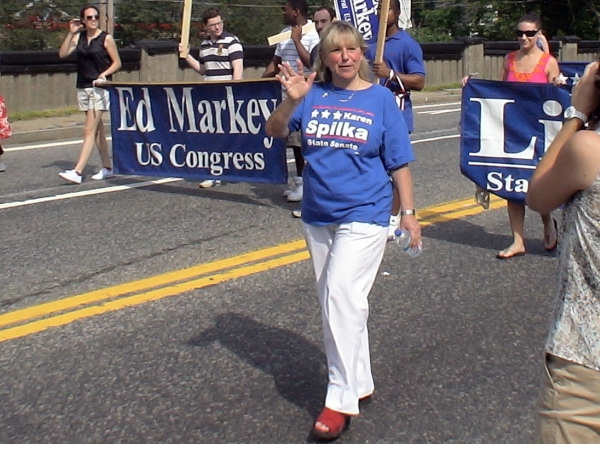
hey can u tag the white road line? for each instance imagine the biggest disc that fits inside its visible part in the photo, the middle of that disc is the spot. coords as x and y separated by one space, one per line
435 105
439 111
439 138
49 145
110 189
105 190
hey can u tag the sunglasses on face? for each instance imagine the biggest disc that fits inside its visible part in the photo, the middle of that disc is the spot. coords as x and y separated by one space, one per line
96 17
528 33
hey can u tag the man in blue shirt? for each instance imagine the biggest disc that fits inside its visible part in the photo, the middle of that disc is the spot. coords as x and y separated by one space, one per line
401 70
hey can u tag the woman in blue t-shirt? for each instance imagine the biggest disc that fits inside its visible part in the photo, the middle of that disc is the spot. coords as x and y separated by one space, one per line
353 138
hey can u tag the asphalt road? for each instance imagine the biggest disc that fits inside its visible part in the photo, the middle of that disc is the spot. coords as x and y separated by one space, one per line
165 313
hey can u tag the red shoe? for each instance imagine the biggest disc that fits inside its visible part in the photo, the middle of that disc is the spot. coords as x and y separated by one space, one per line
330 424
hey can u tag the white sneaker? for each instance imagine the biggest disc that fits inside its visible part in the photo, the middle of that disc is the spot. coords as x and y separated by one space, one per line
297 213
394 222
210 183
71 175
296 194
287 192
103 174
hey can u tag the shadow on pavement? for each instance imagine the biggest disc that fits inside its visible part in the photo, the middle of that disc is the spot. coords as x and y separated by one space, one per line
466 233
298 367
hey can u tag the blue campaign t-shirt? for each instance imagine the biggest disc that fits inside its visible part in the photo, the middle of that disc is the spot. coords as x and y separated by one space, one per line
402 54
351 141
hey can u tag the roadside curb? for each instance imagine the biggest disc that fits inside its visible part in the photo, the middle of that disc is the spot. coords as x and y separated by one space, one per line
436 97
57 134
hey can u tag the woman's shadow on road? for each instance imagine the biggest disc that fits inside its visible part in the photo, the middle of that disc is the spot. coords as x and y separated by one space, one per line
297 366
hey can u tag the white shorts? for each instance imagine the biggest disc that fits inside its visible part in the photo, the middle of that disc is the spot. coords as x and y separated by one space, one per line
93 98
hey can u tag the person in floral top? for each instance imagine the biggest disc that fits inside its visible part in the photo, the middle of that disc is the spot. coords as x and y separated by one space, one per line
569 175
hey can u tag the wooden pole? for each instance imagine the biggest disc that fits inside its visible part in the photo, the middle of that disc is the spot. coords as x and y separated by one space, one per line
385 7
110 24
185 28
103 22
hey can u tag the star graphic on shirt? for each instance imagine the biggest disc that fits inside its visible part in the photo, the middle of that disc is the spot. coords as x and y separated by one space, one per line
337 115
314 114
325 114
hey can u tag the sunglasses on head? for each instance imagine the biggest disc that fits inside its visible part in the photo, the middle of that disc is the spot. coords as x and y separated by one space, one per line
96 17
528 33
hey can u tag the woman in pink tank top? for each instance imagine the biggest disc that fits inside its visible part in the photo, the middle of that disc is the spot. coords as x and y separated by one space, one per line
529 64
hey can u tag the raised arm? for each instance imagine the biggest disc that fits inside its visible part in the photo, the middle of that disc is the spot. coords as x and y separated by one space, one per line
297 87
192 62
69 44
303 53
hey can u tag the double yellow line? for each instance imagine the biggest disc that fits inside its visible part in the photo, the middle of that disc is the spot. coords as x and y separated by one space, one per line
64 311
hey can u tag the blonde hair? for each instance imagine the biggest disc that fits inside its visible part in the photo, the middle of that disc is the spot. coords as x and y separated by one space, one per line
332 37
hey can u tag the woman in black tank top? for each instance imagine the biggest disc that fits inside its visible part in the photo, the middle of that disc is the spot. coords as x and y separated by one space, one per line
97 59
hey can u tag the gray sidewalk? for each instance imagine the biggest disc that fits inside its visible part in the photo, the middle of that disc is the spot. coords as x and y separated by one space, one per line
71 127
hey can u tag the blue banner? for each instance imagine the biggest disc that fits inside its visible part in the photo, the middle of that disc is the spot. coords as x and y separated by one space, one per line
507 127
572 71
505 130
197 131
362 14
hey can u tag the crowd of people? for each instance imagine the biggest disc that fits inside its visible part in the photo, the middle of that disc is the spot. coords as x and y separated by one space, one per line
356 192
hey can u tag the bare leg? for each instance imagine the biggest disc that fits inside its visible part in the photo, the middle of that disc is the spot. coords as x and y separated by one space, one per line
92 119
550 232
102 144
516 217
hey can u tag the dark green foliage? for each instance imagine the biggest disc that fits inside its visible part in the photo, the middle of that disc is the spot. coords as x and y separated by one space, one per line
43 25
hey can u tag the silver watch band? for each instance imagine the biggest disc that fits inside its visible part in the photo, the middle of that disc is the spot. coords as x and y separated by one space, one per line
408 212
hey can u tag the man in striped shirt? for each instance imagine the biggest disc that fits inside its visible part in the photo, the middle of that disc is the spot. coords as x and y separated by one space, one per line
221 57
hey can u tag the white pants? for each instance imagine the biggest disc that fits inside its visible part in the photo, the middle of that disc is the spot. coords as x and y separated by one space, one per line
346 258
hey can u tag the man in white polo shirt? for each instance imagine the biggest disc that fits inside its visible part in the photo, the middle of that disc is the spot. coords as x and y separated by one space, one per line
299 46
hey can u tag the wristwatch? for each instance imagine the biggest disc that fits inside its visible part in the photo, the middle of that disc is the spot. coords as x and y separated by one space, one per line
572 113
408 212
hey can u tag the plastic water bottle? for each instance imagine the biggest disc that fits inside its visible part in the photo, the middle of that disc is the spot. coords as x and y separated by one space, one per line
402 238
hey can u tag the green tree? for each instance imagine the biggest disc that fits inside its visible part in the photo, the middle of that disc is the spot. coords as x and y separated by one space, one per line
42 24
573 18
